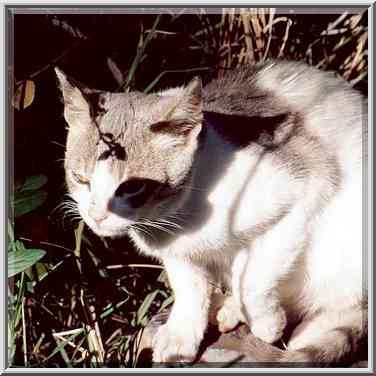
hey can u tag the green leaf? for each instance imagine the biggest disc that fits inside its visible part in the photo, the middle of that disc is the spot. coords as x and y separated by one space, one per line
166 303
42 270
27 201
32 183
112 308
22 259
30 287
144 308
162 276
10 233
19 246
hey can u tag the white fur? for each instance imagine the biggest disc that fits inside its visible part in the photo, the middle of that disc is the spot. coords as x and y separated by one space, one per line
330 277
94 203
310 261
174 91
287 247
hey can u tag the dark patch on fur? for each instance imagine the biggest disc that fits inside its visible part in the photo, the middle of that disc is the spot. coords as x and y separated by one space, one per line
242 130
154 190
237 93
136 201
96 101
113 148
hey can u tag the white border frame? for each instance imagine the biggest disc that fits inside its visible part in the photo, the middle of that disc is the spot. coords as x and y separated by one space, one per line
196 3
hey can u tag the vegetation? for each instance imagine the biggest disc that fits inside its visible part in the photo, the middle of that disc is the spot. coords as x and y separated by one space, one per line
75 300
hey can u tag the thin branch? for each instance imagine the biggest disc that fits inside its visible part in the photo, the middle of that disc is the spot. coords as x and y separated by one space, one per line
271 16
286 36
47 243
134 266
52 63
24 331
359 78
248 39
332 25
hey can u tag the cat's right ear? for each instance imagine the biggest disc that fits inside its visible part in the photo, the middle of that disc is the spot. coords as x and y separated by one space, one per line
76 108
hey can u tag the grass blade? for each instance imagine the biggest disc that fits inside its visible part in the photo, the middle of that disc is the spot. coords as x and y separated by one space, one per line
140 53
144 308
60 346
160 75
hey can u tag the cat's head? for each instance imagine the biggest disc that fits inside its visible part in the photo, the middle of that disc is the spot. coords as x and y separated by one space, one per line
129 156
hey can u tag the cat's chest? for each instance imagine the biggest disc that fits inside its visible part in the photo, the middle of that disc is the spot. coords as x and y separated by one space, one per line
202 241
214 223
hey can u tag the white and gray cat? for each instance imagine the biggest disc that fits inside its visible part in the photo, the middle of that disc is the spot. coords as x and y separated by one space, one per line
253 182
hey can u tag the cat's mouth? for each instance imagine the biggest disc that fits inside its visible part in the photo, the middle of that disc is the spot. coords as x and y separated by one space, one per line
109 229
112 233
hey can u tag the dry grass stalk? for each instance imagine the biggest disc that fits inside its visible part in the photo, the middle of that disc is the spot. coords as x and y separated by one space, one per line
252 35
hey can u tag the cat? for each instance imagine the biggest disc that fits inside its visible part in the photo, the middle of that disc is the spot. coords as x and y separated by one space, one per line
253 182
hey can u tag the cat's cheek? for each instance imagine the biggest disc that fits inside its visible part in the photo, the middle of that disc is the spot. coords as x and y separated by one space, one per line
83 198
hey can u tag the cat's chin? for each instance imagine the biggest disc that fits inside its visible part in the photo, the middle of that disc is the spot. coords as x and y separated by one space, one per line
113 233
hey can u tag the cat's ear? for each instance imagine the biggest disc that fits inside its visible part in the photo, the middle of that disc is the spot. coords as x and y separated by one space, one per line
76 107
185 117
191 103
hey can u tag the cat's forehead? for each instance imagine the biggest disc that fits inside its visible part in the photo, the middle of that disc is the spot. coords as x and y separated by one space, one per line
133 109
122 131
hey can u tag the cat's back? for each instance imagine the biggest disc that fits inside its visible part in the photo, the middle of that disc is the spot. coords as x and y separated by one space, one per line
329 109
287 84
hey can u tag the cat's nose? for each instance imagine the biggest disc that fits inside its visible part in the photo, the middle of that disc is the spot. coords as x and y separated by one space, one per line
97 214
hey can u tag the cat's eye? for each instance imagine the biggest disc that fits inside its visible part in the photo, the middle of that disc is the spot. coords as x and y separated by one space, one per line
80 179
131 187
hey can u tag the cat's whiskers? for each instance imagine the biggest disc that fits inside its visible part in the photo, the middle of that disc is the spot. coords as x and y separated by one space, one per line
58 143
140 227
168 223
160 227
67 210
156 225
181 215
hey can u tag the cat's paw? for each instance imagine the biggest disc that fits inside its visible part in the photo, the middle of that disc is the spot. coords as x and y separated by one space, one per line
175 344
270 326
229 316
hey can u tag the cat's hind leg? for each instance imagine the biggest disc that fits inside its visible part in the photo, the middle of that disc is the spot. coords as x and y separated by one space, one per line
329 337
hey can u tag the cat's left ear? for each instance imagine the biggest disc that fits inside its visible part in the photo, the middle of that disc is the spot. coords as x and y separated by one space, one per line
76 107
191 103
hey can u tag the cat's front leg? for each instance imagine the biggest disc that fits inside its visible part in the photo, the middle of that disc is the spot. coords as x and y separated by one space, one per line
179 339
266 316
271 258
230 314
